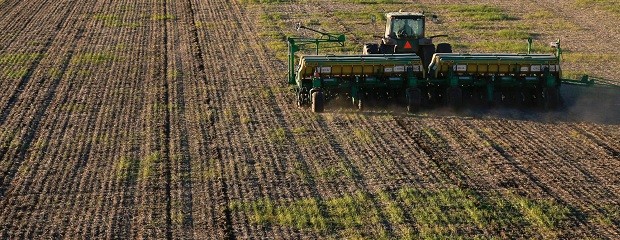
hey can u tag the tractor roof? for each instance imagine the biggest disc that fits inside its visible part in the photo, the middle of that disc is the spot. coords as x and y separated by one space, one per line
404 14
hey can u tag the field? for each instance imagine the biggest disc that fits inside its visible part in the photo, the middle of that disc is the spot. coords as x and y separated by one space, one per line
172 119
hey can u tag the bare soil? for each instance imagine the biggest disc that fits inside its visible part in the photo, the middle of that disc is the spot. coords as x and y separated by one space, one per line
154 119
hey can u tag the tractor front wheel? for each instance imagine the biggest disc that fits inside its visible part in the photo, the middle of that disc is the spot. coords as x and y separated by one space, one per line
318 100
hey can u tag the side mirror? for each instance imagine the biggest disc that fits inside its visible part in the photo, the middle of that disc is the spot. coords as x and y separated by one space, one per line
373 19
434 18
298 26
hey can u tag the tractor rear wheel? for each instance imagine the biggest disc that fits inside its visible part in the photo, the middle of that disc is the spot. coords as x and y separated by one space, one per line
454 97
444 48
386 49
414 99
318 100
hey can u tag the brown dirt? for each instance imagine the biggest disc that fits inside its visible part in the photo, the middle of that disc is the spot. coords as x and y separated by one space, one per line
148 119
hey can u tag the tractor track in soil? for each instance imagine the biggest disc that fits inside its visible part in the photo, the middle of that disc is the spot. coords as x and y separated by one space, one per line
16 89
186 115
49 102
18 25
167 123
524 170
34 123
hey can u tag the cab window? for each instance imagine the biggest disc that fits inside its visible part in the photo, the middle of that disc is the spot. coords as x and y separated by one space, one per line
407 27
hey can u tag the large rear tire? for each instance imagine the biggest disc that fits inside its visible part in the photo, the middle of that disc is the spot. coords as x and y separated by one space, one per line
444 48
414 99
318 100
386 49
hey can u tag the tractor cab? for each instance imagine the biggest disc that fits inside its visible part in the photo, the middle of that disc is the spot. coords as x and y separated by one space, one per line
406 27
405 33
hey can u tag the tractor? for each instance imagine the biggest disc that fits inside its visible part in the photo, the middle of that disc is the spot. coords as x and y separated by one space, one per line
406 66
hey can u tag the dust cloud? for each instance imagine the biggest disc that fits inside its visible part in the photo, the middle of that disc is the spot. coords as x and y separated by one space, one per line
595 104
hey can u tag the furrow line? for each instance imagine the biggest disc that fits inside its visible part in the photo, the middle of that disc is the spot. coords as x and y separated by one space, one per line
533 171
18 10
181 187
25 79
166 123
33 125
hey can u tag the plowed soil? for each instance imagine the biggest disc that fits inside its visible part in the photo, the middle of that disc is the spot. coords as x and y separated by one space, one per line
172 119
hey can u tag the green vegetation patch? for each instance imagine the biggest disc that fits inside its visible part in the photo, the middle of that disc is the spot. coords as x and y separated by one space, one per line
478 12
148 165
106 17
277 135
19 73
414 213
272 28
511 46
469 25
376 2
211 170
336 171
610 216
265 1
163 17
512 34
455 211
18 58
573 74
589 57
271 17
347 212
364 17
74 108
300 130
539 15
113 20
362 135
544 214
206 25
301 214
607 5
352 211
127 169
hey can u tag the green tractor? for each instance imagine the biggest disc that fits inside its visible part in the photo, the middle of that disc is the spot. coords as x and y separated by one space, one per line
405 33
406 66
